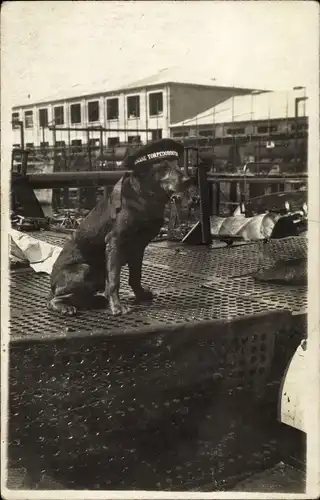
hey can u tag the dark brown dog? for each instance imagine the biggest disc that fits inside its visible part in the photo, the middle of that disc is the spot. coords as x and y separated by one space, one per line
117 233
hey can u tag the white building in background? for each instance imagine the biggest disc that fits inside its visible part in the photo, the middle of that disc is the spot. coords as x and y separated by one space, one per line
256 113
154 103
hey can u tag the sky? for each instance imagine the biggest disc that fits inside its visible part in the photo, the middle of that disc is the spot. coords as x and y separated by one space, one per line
49 46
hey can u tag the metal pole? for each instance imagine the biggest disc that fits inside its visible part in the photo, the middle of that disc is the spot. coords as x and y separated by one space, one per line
213 135
54 139
101 142
75 179
296 118
217 200
185 161
69 143
24 162
89 149
56 193
204 205
21 134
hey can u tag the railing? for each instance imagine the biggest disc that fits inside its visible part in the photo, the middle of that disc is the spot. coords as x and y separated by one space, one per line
209 198
75 179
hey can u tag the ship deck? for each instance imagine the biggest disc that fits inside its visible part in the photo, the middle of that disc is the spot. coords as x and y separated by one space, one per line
191 284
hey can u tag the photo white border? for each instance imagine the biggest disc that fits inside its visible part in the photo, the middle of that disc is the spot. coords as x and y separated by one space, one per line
312 388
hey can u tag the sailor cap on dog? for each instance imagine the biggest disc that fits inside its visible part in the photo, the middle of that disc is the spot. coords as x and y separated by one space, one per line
163 149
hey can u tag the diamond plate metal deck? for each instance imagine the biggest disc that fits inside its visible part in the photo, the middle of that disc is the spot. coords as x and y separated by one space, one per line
190 284
139 381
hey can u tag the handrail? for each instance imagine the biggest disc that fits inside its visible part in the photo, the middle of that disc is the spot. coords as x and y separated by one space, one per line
260 178
75 179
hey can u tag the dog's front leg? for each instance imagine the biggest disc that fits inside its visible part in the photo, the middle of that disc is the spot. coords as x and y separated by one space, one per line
112 283
135 270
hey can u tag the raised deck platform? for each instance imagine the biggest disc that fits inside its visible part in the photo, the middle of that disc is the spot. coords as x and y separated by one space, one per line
191 284
177 395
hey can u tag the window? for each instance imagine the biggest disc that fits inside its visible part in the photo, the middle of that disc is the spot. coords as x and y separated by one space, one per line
28 119
265 129
76 145
16 146
206 133
262 130
60 144
43 117
134 139
44 145
180 134
29 145
155 103
235 131
93 111
15 118
133 105
113 141
156 134
113 109
58 113
75 111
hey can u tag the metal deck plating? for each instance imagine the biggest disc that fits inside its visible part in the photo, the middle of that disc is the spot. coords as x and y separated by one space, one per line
190 284
99 402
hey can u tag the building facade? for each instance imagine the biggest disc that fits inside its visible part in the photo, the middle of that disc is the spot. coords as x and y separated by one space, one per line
140 112
252 114
265 126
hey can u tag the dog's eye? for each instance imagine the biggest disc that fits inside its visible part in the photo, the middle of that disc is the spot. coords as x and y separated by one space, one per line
164 169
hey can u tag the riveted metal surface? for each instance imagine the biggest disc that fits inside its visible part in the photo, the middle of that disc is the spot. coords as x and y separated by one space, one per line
238 260
51 237
293 298
140 411
193 450
191 284
199 304
233 261
207 261
28 297
183 303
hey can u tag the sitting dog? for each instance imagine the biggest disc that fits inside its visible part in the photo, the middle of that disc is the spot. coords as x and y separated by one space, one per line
112 236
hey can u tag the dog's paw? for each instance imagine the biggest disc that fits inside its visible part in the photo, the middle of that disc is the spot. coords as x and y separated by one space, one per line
144 295
119 309
68 310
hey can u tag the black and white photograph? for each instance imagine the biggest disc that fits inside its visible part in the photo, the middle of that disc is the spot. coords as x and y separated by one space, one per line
160 249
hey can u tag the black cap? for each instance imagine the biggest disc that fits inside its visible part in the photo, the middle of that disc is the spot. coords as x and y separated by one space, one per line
163 149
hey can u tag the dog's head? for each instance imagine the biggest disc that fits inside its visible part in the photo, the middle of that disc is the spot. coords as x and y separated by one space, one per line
156 165
165 177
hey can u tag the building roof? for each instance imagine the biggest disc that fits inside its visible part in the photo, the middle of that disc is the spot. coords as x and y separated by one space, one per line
250 107
182 76
163 77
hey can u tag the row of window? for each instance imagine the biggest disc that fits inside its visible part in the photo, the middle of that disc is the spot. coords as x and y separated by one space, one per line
133 111
263 129
77 143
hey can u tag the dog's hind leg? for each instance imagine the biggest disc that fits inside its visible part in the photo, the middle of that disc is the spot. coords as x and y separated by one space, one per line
62 304
72 288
